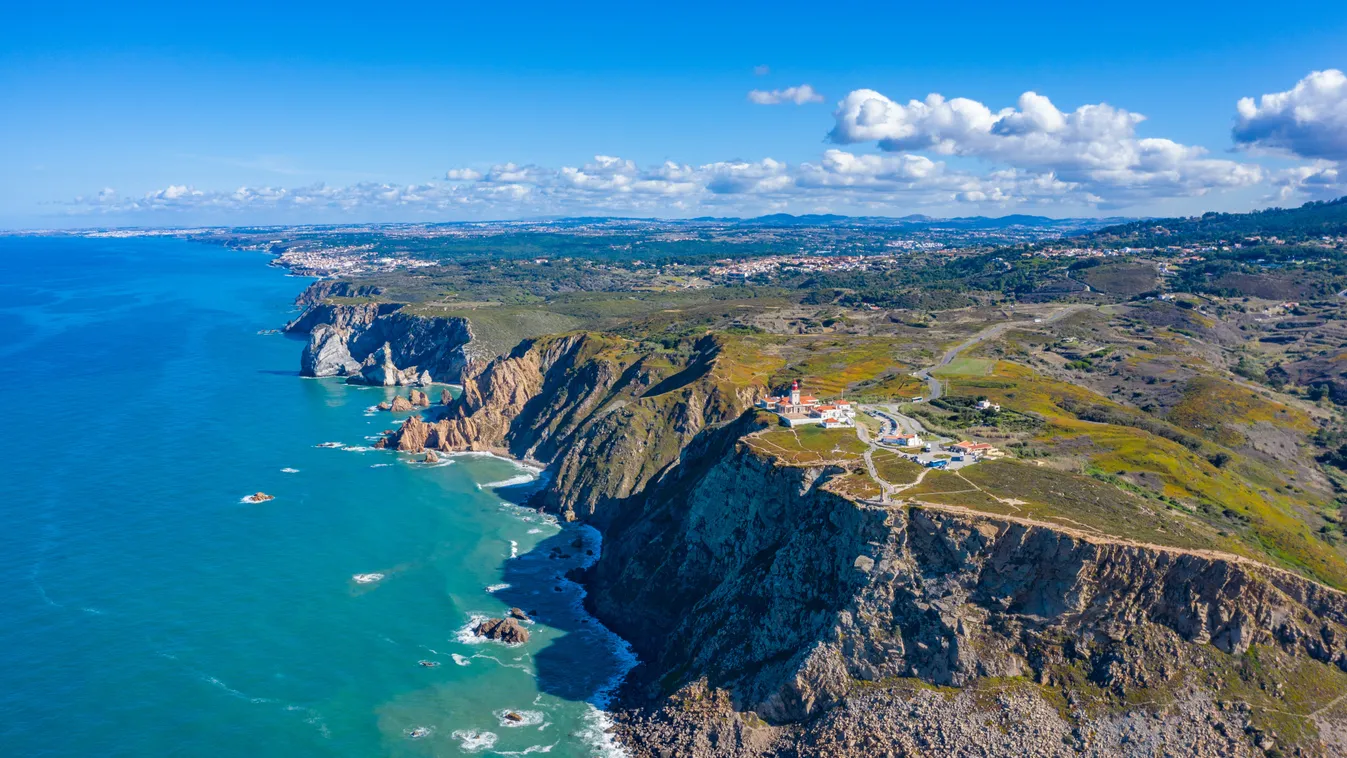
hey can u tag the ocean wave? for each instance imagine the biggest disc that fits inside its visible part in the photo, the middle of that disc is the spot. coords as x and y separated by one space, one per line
369 578
499 662
418 732
523 718
473 741
357 448
513 481
329 444
380 465
498 587
598 730
288 470
212 680
514 549
465 633
461 660
529 749
535 531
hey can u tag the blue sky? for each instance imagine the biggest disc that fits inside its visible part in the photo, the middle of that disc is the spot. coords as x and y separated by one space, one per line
247 113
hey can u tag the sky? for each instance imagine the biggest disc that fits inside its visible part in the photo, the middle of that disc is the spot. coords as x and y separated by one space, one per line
145 114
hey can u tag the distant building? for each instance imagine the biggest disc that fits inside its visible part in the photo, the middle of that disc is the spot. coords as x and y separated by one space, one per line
987 405
972 448
904 440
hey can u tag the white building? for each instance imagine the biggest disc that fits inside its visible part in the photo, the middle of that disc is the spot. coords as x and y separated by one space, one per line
796 409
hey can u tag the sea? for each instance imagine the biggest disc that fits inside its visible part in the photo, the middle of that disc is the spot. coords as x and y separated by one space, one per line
148 609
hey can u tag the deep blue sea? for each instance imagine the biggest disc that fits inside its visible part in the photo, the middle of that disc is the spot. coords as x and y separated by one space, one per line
145 610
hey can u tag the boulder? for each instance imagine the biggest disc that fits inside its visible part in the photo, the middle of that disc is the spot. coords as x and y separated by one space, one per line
518 613
259 497
401 405
385 406
419 398
445 397
328 353
430 457
505 630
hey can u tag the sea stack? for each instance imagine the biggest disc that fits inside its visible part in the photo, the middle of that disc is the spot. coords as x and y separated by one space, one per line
505 630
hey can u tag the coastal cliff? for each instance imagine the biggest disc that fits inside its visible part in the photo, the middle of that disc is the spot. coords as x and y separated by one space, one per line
605 415
755 594
343 337
775 614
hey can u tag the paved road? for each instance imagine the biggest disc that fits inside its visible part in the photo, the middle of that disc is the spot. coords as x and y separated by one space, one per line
936 388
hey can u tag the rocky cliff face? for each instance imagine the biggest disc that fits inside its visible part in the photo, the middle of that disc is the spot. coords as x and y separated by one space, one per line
774 615
434 345
606 417
754 580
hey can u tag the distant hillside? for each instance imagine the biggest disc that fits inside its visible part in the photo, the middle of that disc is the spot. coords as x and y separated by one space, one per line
918 221
1310 220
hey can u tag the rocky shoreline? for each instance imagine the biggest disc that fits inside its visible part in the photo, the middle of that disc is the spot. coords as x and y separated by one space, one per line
774 616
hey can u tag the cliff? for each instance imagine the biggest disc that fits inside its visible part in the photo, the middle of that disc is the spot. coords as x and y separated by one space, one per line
604 414
342 337
774 614
755 581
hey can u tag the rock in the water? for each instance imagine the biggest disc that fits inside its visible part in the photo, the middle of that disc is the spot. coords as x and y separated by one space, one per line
425 380
419 398
385 406
505 630
518 613
380 371
446 397
401 404
328 353
259 497
431 457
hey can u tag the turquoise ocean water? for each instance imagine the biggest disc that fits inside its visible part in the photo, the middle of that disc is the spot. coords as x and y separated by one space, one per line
147 611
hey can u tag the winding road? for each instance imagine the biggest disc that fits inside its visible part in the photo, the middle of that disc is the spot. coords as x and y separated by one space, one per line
995 330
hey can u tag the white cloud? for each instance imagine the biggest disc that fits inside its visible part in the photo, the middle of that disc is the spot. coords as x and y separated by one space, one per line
798 95
462 175
1308 120
1094 149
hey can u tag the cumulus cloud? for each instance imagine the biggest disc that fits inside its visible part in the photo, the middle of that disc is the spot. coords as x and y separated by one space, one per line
839 179
1093 149
798 95
1308 120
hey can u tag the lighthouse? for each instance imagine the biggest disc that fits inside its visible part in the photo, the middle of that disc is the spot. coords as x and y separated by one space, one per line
795 393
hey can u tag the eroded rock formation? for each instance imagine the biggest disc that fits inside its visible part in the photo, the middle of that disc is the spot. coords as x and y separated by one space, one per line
506 630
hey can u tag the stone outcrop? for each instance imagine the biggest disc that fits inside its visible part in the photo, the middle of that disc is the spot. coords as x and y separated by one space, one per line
604 415
327 353
430 457
379 370
400 404
437 346
418 398
506 630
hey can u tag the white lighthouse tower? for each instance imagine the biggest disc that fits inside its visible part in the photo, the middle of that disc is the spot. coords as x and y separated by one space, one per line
795 393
